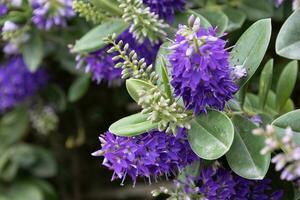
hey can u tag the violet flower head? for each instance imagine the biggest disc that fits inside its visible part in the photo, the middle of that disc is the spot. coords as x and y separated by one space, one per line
220 183
17 83
165 8
201 73
3 9
49 13
101 65
148 155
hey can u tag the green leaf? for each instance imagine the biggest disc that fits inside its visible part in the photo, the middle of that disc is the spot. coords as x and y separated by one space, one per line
56 97
286 84
134 86
132 125
33 52
290 119
13 126
216 18
24 190
211 135
265 83
93 40
78 88
244 156
108 5
236 18
288 39
257 9
251 48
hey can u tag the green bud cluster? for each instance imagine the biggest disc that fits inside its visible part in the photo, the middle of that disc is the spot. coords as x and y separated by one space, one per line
163 110
143 22
129 62
167 113
14 34
88 11
44 119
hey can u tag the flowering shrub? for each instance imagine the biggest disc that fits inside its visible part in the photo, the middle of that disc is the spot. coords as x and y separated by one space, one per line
207 91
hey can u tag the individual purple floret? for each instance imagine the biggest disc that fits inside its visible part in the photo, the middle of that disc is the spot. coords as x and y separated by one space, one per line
3 9
220 183
165 8
201 73
17 83
47 14
101 65
151 154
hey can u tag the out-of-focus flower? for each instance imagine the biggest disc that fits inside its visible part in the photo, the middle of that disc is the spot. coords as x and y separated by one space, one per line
165 8
295 5
148 155
44 119
3 9
47 14
201 73
101 65
17 83
220 183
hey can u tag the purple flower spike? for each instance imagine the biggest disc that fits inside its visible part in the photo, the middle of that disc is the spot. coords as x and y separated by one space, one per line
201 73
165 8
148 155
101 65
47 14
17 83
3 9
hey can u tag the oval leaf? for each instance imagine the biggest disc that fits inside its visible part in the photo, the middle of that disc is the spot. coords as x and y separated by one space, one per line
288 39
134 86
132 125
290 119
236 18
265 83
211 140
286 84
244 156
33 52
251 48
93 40
78 88
216 18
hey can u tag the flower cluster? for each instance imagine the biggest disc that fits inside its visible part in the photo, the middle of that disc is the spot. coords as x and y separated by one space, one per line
220 183
101 65
3 9
295 4
17 83
165 8
47 14
148 155
287 161
201 73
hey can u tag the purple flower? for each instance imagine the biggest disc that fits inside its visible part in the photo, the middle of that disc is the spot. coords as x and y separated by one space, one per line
3 9
17 83
278 2
101 65
220 183
148 155
47 14
201 73
165 8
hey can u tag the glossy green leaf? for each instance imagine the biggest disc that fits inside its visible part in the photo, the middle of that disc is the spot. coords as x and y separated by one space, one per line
134 86
244 156
290 119
211 135
265 83
93 40
13 126
78 88
132 125
288 39
251 48
236 18
33 52
216 18
257 9
286 84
